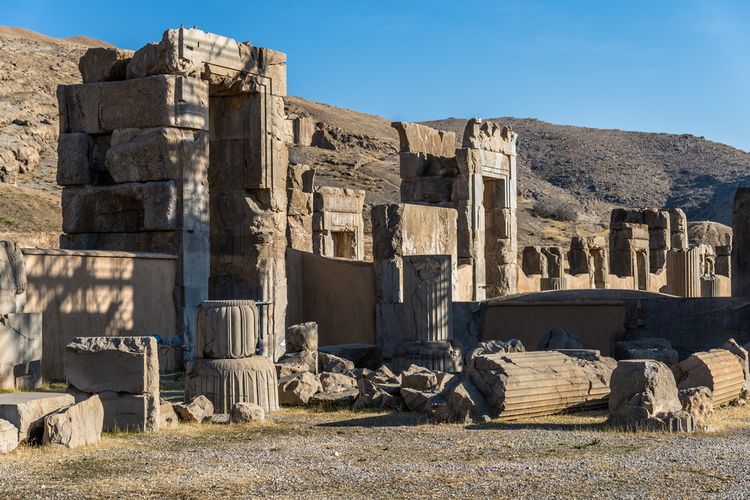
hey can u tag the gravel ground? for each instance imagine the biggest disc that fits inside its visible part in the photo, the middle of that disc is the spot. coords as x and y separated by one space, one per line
316 454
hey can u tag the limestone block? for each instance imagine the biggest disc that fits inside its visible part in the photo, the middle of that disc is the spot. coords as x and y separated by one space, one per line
301 178
197 410
341 399
126 412
297 389
156 101
12 277
26 411
306 358
717 369
433 190
151 241
73 159
698 402
150 206
139 155
20 350
104 64
489 136
8 437
415 400
524 384
362 355
647 348
494 347
75 426
228 381
559 338
641 391
333 364
302 337
118 364
372 395
336 382
227 329
189 51
285 369
168 418
246 412
416 138
465 403
418 378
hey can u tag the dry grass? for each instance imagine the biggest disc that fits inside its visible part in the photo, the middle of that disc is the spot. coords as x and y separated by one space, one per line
347 454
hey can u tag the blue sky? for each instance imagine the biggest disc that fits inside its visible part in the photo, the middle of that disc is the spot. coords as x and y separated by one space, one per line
662 66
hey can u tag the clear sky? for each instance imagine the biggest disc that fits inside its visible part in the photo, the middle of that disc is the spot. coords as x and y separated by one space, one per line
663 66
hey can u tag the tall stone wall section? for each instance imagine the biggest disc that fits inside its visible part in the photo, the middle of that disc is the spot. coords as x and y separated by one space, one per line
138 173
740 263
338 225
659 237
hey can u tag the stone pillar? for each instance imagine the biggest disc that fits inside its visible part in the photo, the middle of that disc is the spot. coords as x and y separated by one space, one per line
300 207
684 273
724 260
678 228
427 297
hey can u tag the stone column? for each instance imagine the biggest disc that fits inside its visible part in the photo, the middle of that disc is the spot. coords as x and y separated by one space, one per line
684 273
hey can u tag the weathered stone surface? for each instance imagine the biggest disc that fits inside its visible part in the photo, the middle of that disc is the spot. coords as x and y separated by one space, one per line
150 206
228 381
523 384
227 329
489 136
26 411
126 412
742 355
8 437
494 347
246 412
465 402
717 369
20 350
74 162
642 391
372 395
647 348
297 389
415 400
168 418
416 138
286 369
118 364
418 378
341 399
302 337
307 358
157 101
698 402
197 410
362 355
336 382
104 64
383 375
437 356
333 364
77 425
220 419
12 278
559 338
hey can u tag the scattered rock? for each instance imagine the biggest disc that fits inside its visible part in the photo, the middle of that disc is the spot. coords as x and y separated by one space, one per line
197 410
246 412
336 382
415 400
219 419
286 369
372 395
333 364
419 378
302 337
341 399
297 389
494 346
697 401
168 417
8 437
307 358
75 426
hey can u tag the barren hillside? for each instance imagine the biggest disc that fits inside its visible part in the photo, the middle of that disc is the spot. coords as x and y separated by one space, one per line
569 177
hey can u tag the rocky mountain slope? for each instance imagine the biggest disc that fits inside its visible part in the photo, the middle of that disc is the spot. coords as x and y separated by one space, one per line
569 177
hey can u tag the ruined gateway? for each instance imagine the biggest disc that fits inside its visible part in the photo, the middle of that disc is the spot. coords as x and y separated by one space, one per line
174 159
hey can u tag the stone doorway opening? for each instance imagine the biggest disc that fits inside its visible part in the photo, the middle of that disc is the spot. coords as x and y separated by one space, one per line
344 244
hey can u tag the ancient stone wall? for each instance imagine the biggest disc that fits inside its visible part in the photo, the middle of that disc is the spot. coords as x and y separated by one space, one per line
338 226
741 242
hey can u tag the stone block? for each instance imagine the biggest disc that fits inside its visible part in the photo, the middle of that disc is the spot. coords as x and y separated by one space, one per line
718 369
333 364
140 155
697 402
20 350
131 207
156 101
302 337
297 389
168 418
104 64
433 190
26 411
150 241
73 159
8 437
301 178
228 381
246 412
197 410
12 277
119 364
127 412
227 329
336 382
416 138
75 426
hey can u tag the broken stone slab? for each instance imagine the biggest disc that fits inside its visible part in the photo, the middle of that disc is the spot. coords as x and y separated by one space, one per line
415 400
372 395
698 402
494 346
333 364
417 138
227 329
362 355
196 410
104 64
126 412
168 418
559 338
383 375
134 206
297 389
12 277
246 412
418 378
306 358
717 369
156 101
642 393
465 402
75 426
302 337
647 348
228 381
336 382
26 411
341 399
286 369
8 437
116 364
